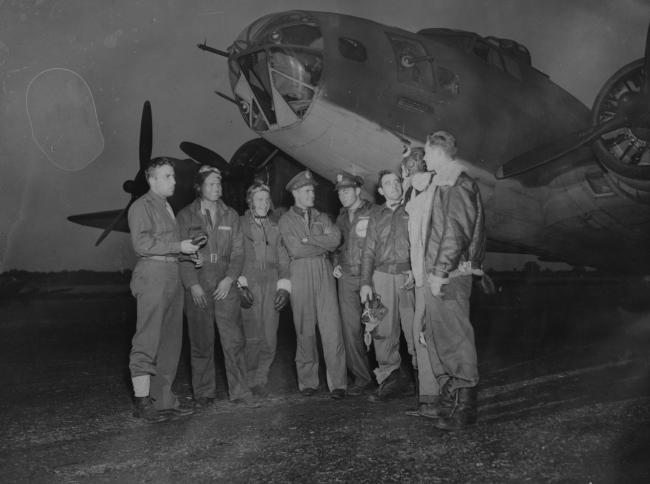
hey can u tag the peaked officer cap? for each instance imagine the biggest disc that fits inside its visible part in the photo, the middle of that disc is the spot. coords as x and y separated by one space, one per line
302 179
345 180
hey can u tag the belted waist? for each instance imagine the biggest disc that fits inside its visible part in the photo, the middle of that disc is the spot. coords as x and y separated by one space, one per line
321 256
257 267
214 258
398 268
161 258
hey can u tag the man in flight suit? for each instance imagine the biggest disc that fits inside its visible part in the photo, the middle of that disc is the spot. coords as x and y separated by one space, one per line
309 236
266 274
386 270
210 295
156 285
353 223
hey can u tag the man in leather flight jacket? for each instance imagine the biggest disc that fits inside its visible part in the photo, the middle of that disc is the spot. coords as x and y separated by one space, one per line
446 229
386 270
353 223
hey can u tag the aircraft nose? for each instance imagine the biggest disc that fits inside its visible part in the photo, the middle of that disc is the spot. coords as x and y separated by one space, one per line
276 68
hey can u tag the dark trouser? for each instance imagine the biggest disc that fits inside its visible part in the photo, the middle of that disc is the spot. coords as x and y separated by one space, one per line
261 329
450 336
401 307
200 327
156 345
355 352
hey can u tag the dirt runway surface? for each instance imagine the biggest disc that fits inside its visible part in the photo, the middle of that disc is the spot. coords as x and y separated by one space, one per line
564 397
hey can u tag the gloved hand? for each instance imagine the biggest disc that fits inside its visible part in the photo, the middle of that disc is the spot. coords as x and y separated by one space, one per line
245 296
281 299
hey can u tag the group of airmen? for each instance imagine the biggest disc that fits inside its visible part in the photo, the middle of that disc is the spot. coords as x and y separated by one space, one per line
404 267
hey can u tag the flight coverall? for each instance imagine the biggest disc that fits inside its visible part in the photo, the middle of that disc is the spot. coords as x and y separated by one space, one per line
348 256
313 295
266 269
223 256
156 285
384 266
452 245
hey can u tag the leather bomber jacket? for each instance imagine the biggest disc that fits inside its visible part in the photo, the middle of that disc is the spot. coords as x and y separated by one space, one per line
348 255
457 228
387 241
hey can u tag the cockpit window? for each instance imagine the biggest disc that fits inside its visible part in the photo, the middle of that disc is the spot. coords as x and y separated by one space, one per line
276 66
418 72
295 74
300 35
254 68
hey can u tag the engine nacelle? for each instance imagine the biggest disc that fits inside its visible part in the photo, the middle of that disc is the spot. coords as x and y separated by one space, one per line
624 152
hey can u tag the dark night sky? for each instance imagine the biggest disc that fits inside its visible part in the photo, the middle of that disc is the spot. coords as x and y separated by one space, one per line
75 74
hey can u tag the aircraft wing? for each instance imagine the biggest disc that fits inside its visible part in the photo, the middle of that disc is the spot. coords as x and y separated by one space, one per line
101 220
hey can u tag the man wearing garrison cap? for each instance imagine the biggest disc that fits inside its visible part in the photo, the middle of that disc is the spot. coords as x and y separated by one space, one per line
308 236
353 223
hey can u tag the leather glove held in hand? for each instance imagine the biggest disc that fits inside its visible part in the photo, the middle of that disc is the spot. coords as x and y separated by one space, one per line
281 299
245 297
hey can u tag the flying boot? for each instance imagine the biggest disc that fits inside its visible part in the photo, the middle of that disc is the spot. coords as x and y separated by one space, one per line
145 410
409 381
389 388
463 413
441 406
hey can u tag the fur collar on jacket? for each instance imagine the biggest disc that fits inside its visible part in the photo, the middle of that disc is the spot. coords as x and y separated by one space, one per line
447 176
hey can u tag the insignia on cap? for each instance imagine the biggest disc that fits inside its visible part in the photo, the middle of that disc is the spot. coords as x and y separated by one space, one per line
307 174
339 178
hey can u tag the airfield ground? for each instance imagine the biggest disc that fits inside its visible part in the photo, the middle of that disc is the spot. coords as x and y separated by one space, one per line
564 397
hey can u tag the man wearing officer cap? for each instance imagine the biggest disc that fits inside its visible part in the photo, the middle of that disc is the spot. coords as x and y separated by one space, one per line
353 223
308 236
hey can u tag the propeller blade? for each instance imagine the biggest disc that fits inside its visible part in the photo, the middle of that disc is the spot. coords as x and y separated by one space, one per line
114 223
100 220
557 149
646 83
146 135
205 156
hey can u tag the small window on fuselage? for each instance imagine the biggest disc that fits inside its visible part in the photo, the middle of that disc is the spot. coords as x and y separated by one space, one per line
352 49
418 69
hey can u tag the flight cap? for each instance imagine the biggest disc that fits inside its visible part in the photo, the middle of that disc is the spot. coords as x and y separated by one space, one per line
211 169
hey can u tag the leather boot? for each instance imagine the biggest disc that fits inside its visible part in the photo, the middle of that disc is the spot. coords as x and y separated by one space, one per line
388 389
464 412
442 406
410 383
431 409
145 410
